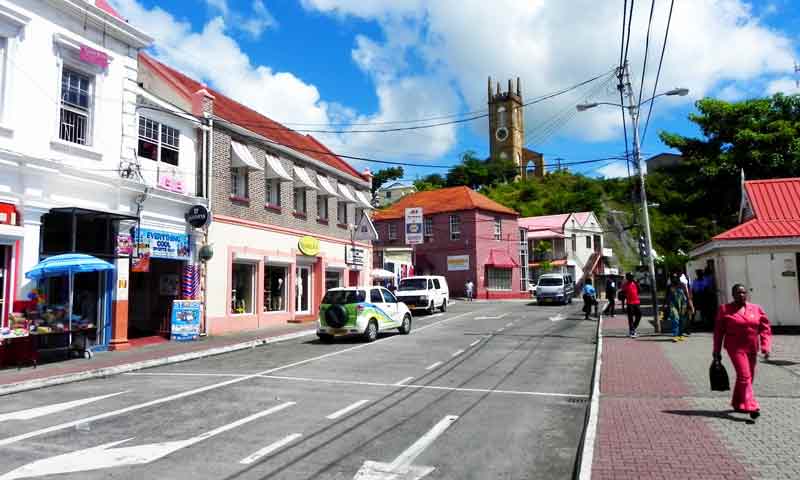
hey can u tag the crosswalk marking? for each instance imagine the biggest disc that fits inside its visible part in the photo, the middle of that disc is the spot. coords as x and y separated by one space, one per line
272 447
346 410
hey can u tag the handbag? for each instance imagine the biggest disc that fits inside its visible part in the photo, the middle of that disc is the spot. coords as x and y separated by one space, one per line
718 377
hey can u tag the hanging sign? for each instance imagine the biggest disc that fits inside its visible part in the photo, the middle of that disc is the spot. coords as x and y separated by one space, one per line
185 324
308 245
198 216
124 245
414 226
160 244
354 257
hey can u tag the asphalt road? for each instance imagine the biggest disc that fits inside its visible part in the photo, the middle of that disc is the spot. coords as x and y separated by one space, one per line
484 391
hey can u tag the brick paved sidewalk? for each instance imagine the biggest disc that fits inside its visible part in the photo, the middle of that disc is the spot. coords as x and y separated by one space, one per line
11 379
659 420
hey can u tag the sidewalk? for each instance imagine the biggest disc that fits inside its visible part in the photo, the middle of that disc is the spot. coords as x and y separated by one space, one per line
658 418
103 364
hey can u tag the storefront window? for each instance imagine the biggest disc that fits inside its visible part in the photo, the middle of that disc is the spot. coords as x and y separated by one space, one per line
275 288
242 284
333 279
499 278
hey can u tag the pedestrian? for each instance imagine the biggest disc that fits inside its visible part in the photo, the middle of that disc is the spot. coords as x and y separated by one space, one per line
710 292
698 295
678 306
743 327
611 295
469 287
589 299
621 295
634 309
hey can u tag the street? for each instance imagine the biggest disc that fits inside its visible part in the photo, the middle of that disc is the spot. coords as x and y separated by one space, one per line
485 390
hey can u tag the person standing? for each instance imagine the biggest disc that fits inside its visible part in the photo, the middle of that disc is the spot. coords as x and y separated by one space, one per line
743 328
611 295
634 309
678 306
589 299
469 287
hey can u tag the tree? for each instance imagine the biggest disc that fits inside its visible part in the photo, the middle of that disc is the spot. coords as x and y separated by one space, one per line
430 182
385 175
543 253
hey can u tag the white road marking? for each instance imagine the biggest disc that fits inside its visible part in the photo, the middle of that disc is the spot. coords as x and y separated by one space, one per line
501 329
404 381
32 413
475 342
433 365
436 315
270 448
237 379
401 466
491 318
557 318
106 456
346 410
457 353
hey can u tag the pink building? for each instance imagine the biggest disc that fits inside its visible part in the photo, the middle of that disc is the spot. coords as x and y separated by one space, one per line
467 237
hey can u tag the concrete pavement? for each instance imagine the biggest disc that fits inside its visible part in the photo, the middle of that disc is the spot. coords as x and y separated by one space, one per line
490 390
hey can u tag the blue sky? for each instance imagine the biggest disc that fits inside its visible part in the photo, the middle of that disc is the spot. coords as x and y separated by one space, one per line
319 64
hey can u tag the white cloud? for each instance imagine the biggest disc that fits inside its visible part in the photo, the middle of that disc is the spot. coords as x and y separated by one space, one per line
614 170
786 85
731 93
254 22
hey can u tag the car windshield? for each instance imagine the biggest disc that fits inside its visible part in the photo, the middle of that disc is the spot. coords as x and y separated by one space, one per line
550 282
413 284
343 297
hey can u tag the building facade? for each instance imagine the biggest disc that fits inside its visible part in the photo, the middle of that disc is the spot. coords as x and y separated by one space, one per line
467 237
393 192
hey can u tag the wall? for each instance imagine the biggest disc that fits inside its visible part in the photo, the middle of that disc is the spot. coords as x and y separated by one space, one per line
485 243
580 257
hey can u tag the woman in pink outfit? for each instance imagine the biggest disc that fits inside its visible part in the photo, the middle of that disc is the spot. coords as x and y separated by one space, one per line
744 327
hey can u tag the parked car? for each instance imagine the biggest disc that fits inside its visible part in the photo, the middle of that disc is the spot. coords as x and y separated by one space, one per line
427 292
532 289
555 287
362 311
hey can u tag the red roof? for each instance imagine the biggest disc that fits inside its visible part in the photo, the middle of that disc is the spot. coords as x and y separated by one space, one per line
776 210
443 200
104 6
236 113
501 259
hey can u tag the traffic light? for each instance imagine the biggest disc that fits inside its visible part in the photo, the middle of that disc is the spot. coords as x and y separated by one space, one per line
643 247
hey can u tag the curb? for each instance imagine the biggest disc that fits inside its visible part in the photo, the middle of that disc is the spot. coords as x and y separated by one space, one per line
38 383
585 459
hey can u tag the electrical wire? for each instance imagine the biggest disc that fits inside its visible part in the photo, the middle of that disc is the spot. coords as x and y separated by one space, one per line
628 40
646 50
658 72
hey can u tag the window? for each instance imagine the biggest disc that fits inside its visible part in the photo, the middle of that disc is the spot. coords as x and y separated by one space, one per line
333 279
392 231
455 227
322 207
341 212
523 259
158 142
498 228
300 201
388 194
272 192
501 117
388 296
76 92
574 243
344 297
275 288
427 225
589 242
499 278
436 284
239 182
375 296
242 286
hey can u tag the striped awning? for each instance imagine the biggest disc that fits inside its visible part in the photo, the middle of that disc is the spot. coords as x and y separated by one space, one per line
275 168
347 194
362 199
327 187
304 179
241 157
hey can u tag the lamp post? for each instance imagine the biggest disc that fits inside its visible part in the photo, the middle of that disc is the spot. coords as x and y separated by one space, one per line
633 112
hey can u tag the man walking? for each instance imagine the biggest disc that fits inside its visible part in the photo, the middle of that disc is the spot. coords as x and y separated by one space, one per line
631 290
611 295
469 287
589 299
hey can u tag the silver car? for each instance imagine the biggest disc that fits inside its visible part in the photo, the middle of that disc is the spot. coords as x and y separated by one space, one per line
556 288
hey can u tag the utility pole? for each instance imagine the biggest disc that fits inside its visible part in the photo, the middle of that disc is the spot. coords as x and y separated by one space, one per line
633 110
797 74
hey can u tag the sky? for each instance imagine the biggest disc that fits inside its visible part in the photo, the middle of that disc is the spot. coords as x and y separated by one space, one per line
335 65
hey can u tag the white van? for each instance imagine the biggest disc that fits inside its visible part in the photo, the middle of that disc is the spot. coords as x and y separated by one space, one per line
555 287
426 292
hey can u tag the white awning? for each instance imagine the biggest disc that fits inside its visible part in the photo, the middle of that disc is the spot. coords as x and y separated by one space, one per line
362 198
275 168
304 178
347 193
241 157
327 187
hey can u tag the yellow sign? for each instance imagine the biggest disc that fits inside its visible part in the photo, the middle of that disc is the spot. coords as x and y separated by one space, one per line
308 246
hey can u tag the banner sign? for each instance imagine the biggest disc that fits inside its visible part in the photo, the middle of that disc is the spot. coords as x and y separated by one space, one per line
124 245
185 325
160 244
95 57
414 226
457 263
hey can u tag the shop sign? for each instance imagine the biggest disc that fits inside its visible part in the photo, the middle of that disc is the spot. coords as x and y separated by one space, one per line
198 216
354 256
185 324
457 263
308 245
414 226
95 57
160 244
124 245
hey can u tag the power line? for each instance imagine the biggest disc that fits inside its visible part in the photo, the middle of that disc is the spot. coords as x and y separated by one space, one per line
646 50
628 40
622 42
658 73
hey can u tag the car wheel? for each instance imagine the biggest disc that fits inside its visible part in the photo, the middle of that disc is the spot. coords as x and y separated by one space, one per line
371 333
444 306
325 338
405 328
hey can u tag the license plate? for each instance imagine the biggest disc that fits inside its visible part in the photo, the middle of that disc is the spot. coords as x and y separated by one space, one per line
339 331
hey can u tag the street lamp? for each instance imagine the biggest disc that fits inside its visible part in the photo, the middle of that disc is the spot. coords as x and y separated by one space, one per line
633 110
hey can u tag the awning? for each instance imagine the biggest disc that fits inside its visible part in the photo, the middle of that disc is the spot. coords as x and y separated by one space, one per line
327 187
66 264
275 168
362 199
500 259
544 234
381 274
347 194
242 158
304 178
553 263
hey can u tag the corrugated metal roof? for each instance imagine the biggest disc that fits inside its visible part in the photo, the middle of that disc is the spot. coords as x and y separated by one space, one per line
776 209
451 199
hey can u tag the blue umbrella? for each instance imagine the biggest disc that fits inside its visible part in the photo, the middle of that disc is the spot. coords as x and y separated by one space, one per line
68 263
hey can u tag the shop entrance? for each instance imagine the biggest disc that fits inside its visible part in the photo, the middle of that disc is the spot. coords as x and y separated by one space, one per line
302 302
3 274
151 294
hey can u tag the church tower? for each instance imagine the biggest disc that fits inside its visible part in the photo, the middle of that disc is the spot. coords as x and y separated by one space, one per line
507 129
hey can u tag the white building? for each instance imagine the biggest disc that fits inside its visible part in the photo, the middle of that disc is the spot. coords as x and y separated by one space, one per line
394 191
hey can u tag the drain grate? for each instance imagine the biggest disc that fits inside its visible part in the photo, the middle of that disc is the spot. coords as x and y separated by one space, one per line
577 400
